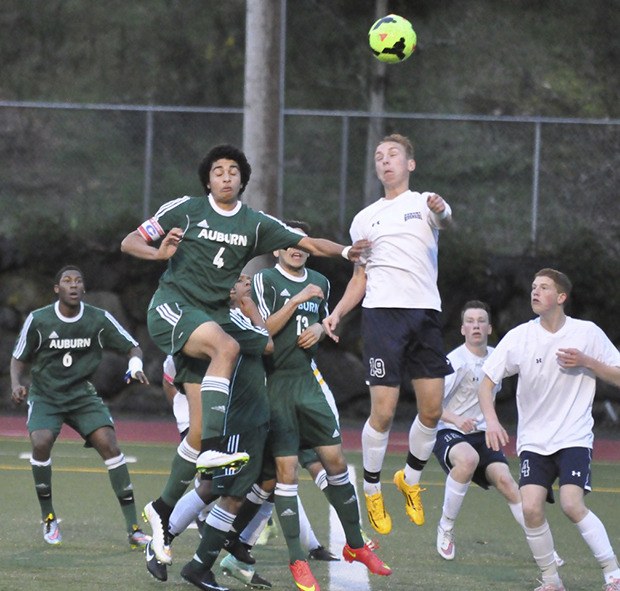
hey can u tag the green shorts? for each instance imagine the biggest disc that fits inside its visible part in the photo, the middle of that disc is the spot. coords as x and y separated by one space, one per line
301 417
89 416
238 484
170 326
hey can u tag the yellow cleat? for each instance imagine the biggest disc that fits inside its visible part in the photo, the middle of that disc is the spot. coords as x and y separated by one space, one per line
377 515
413 499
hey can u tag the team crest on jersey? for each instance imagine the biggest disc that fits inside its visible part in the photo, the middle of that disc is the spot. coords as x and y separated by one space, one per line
413 215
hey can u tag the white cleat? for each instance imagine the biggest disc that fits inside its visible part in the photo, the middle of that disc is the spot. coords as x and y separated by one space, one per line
51 531
211 460
445 543
158 545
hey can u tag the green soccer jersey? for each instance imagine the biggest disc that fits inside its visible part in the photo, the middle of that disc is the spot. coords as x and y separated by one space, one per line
216 246
65 352
272 288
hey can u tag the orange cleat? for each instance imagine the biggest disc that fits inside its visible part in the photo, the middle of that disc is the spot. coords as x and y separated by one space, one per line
303 577
368 558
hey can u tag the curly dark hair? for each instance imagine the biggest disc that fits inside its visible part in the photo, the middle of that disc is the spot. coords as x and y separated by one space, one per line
230 153
64 270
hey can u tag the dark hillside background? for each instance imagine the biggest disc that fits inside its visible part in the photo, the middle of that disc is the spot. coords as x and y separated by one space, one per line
65 199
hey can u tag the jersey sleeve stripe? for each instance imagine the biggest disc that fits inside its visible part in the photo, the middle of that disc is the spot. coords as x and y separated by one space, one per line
18 351
259 289
120 329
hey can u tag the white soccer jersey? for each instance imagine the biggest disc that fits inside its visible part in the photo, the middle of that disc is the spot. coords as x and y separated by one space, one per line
401 270
461 387
554 404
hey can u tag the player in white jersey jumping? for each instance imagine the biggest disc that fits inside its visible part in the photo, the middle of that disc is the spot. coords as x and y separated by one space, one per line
401 325
461 448
557 359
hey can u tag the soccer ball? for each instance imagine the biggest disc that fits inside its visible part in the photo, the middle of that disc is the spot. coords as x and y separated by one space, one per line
392 39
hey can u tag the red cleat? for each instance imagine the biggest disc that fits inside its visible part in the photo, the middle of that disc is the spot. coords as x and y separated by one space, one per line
303 577
368 558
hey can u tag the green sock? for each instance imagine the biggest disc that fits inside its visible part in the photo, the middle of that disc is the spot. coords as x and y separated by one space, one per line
42 473
215 396
182 473
288 516
123 489
216 528
343 500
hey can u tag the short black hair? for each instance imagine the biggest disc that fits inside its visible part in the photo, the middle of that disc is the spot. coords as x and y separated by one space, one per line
64 270
230 153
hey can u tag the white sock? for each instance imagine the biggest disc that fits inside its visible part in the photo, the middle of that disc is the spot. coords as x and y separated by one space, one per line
452 502
253 530
374 446
421 443
321 479
306 534
593 532
185 511
517 512
540 541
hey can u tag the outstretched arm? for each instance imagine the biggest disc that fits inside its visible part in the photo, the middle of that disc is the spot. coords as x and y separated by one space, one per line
326 248
353 294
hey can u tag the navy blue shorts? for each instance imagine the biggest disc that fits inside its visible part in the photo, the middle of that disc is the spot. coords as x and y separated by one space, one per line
402 343
448 438
572 465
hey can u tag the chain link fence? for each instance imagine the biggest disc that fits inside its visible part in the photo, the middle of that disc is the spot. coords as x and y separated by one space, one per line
518 183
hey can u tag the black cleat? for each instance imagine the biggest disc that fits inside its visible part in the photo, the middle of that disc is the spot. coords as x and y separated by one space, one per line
157 569
203 578
322 553
240 551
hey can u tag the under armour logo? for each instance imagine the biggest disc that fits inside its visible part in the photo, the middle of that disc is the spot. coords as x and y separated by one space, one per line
576 473
538 359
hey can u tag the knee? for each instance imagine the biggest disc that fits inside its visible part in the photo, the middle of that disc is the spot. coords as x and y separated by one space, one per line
533 514
42 443
469 463
229 348
381 419
430 416
574 509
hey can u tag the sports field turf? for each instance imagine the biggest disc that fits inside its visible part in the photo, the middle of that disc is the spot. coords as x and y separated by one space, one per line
491 550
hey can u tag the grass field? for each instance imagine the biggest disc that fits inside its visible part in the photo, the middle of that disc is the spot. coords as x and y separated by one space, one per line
94 555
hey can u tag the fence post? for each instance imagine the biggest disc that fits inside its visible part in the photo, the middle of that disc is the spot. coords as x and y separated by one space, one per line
148 165
535 173
344 166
